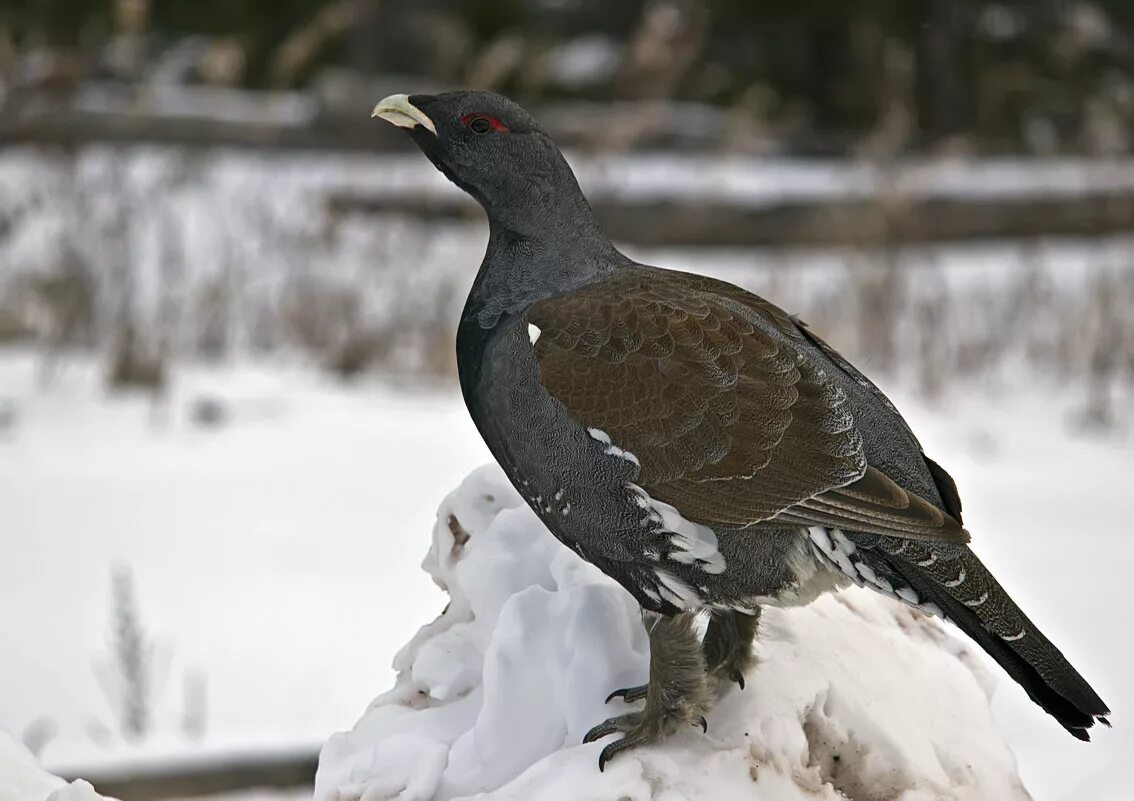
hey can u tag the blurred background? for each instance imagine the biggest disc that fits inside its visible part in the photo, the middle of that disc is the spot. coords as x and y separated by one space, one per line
228 404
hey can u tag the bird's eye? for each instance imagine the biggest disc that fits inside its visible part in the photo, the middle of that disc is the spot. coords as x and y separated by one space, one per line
482 123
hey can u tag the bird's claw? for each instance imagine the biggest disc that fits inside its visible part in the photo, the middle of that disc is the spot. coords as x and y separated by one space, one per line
629 694
639 729
609 726
738 677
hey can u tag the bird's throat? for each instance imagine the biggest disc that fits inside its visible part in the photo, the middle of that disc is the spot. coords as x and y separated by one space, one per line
520 269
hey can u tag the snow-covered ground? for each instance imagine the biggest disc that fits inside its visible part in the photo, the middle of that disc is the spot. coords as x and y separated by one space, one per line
22 779
278 553
275 554
855 696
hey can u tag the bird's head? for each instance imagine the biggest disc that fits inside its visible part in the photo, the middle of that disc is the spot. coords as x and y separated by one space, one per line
491 148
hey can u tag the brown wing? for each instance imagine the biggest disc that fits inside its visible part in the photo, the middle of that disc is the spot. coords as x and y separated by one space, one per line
712 390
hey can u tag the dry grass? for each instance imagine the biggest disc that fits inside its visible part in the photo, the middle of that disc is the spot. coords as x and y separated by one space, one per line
355 293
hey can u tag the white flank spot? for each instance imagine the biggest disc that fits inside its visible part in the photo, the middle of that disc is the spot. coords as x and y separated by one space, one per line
840 539
566 510
676 591
974 604
695 544
611 449
873 580
958 581
1017 636
614 450
834 547
642 498
533 333
819 536
927 562
836 552
867 573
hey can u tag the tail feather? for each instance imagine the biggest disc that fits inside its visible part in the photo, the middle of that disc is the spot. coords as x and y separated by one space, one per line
953 578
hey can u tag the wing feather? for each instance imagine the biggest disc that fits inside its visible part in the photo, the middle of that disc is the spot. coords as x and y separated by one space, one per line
717 395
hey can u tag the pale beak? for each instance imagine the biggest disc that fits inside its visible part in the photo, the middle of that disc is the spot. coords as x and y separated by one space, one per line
398 110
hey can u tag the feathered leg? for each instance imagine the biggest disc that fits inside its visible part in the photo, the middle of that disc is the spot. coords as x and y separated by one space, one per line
679 691
727 646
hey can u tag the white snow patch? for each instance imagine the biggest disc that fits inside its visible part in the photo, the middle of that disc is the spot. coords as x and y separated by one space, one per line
493 697
275 521
22 779
585 60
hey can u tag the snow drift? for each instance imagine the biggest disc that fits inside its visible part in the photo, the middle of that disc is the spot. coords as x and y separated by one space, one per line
22 779
855 696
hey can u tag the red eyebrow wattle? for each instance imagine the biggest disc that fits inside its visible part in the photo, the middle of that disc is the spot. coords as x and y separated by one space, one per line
496 124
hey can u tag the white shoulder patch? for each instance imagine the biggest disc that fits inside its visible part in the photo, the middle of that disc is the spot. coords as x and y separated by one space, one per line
533 333
611 449
600 435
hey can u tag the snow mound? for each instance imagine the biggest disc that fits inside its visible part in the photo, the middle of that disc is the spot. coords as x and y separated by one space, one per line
855 696
22 779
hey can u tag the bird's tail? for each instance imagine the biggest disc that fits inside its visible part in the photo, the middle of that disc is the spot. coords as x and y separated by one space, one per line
952 578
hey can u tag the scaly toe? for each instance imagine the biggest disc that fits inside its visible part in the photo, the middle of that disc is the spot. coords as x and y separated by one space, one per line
640 729
648 730
610 751
629 694
613 725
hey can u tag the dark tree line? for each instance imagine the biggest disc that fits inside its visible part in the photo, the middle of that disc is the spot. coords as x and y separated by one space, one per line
1042 75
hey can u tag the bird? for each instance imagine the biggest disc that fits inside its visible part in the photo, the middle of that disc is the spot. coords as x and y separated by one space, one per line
702 447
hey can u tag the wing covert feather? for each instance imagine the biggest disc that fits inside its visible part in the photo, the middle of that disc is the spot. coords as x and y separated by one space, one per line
712 390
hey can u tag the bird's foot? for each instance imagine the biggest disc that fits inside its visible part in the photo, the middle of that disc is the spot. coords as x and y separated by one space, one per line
678 692
643 728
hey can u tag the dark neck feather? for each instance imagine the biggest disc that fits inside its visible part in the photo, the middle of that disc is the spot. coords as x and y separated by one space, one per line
540 203
546 241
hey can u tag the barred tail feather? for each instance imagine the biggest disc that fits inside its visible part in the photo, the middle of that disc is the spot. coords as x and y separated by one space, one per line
953 578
